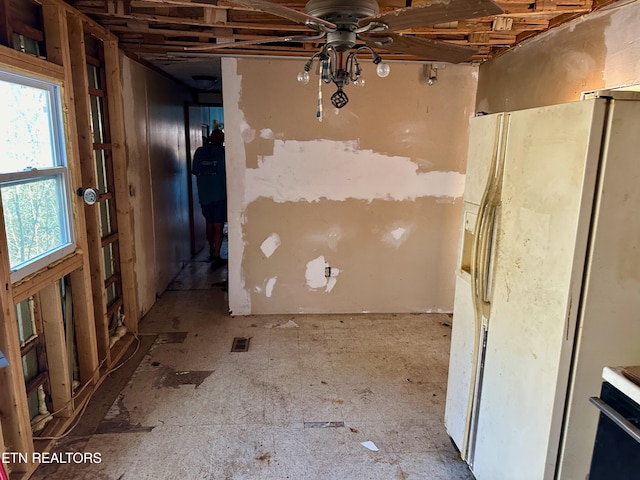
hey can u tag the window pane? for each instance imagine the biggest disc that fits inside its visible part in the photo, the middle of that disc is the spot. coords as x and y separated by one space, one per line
101 170
112 293
93 74
26 325
105 219
107 256
26 130
35 218
97 125
30 365
26 44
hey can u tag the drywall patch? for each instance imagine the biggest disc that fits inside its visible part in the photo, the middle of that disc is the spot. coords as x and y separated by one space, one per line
396 235
315 273
317 277
270 284
247 133
307 171
270 244
266 133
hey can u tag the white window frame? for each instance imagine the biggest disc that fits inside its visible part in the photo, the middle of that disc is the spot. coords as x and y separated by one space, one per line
60 171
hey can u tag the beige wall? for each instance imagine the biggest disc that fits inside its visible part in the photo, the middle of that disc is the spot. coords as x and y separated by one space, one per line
593 52
373 192
157 169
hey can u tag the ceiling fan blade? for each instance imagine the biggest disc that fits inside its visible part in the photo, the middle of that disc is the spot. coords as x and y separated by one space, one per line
257 41
285 12
432 13
423 48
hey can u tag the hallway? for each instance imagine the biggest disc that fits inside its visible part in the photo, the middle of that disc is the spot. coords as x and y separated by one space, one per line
299 404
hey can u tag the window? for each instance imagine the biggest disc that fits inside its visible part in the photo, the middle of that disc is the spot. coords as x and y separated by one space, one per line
33 174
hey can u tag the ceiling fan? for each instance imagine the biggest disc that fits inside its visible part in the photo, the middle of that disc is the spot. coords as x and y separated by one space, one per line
351 26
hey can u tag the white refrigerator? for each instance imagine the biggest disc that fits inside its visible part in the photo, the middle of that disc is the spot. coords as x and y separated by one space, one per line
547 284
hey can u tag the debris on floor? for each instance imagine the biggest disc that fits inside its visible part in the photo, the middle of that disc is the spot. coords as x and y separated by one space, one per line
370 445
172 379
323 424
289 324
251 410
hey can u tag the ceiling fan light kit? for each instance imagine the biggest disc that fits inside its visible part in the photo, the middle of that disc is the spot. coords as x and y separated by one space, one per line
341 69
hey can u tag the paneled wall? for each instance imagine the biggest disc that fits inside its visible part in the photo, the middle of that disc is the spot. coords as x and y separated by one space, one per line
156 143
357 213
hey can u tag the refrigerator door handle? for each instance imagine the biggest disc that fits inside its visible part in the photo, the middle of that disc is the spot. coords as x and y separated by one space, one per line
487 235
486 255
490 258
484 252
626 426
479 248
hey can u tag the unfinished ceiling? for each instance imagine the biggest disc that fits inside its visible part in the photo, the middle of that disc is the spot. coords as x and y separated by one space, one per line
159 31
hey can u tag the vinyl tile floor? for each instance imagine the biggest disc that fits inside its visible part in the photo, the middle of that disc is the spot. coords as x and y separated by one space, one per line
301 403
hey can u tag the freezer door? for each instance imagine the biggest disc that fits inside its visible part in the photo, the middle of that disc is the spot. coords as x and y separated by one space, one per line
484 145
460 362
551 161
485 150
462 335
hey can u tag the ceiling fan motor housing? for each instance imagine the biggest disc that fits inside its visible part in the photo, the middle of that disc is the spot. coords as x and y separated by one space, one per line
344 13
341 40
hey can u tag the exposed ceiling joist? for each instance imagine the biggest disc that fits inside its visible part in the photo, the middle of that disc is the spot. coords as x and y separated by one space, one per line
166 30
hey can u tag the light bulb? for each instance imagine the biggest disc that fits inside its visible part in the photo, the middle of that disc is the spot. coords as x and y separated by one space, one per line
303 77
358 82
383 69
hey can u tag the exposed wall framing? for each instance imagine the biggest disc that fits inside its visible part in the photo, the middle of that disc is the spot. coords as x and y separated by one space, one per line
59 33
